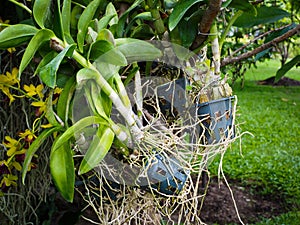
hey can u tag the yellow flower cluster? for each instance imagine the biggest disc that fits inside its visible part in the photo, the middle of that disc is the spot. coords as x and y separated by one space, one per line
15 154
16 149
7 81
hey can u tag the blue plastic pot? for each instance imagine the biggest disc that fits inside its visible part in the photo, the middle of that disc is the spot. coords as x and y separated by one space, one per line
217 119
166 175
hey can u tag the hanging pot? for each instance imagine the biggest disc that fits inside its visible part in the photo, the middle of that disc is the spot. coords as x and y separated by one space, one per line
166 175
217 119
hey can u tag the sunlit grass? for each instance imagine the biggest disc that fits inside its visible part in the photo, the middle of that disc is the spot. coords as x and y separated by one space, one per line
268 68
270 160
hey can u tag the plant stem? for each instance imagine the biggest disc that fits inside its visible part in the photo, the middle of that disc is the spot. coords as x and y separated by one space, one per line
215 48
122 91
227 29
158 22
124 108
127 113
22 6
139 95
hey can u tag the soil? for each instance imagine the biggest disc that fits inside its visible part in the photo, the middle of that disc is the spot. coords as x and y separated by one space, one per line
284 81
219 207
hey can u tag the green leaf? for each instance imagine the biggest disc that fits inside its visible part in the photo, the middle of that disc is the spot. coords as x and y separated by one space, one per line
75 14
243 5
62 170
169 4
46 59
106 35
123 18
48 72
86 74
99 48
179 11
226 3
265 15
84 20
49 114
185 32
41 12
141 16
16 35
40 140
278 33
104 21
286 67
76 127
137 50
102 105
142 31
66 20
107 70
64 100
113 56
111 11
97 150
35 43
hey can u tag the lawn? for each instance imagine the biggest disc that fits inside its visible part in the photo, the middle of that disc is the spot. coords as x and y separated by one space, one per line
270 160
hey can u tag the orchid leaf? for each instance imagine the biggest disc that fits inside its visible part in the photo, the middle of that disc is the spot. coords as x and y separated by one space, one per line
16 35
84 20
179 11
62 170
40 140
48 72
97 150
42 12
35 43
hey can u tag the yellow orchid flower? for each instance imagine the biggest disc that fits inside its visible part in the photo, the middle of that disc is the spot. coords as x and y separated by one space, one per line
27 135
42 107
16 165
57 90
11 50
14 160
56 94
32 90
6 22
9 180
6 91
12 145
9 79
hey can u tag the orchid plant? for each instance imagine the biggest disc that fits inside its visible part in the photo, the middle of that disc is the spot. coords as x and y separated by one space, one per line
88 45
81 44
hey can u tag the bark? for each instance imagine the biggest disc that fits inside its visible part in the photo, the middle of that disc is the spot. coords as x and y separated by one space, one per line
230 59
206 22
257 38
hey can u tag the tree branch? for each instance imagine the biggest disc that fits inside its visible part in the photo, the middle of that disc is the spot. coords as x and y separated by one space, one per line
206 22
257 38
230 60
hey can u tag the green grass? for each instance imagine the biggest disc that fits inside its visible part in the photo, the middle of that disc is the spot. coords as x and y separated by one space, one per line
271 159
291 218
